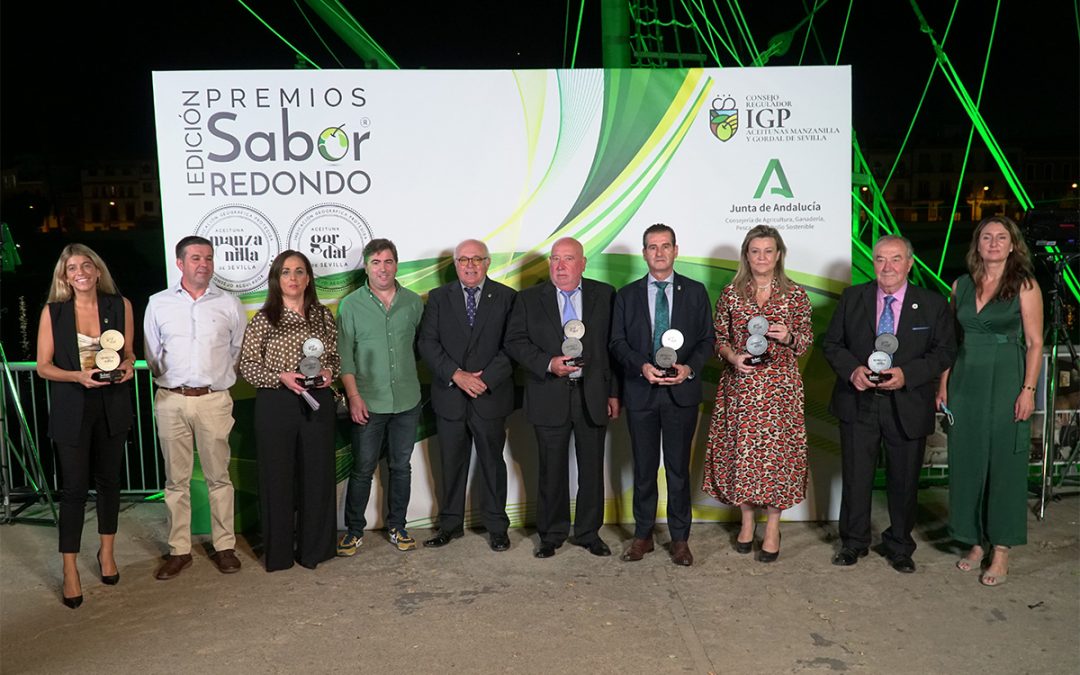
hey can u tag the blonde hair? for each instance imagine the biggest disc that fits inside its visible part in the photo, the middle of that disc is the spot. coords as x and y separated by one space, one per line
60 291
743 276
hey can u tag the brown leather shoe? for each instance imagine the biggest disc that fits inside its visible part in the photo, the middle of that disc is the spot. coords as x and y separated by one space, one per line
173 566
680 554
638 549
226 561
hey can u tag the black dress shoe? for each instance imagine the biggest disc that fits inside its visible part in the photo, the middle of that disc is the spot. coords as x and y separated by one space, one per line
903 564
545 551
499 542
443 538
111 579
846 557
744 546
596 547
72 602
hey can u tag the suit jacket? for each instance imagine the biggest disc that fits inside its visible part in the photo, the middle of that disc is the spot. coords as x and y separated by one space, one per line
927 346
535 334
632 339
446 343
66 398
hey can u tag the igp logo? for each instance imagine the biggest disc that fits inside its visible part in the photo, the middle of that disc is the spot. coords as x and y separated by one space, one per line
724 118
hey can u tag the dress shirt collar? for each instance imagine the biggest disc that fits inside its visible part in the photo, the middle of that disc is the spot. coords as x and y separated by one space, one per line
899 294
479 285
211 291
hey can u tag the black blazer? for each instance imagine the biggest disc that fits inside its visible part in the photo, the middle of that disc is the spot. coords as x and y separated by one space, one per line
927 347
446 343
66 398
535 334
632 340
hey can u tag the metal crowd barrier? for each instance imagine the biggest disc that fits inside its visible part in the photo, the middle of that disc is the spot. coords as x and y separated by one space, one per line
29 472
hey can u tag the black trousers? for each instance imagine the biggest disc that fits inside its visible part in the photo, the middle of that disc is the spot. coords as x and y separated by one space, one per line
674 425
553 502
456 438
860 447
98 451
295 454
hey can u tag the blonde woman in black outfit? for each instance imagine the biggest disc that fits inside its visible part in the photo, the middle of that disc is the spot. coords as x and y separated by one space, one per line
88 419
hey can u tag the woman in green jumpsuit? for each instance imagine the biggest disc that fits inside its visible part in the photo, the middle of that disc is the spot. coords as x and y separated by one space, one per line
991 392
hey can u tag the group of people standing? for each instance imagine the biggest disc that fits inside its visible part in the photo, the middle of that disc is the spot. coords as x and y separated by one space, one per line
588 353
900 354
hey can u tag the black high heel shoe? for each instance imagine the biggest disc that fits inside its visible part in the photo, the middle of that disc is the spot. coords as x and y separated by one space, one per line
73 602
770 556
745 547
110 580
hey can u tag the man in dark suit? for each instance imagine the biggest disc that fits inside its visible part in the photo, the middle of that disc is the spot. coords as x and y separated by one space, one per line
897 412
658 406
563 399
472 390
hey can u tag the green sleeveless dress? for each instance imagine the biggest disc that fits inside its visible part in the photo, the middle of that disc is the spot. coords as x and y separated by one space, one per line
988 451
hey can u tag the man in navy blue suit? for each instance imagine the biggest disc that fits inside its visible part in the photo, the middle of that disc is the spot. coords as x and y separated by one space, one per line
662 309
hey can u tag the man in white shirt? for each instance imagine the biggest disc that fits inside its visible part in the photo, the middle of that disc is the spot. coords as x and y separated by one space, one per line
193 335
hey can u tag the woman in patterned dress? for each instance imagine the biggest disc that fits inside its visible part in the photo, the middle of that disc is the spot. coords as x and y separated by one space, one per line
756 450
294 443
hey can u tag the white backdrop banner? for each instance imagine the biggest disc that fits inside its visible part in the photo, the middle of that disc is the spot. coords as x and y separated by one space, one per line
323 161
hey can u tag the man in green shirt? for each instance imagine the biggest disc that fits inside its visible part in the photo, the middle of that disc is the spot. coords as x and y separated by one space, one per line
376 330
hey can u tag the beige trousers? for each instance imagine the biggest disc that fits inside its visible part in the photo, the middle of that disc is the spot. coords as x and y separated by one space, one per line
185 423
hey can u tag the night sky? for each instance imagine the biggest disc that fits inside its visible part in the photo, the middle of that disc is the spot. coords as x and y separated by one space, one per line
76 78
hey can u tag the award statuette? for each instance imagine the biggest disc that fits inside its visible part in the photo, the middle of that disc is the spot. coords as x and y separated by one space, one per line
666 357
311 364
881 359
108 358
572 348
757 345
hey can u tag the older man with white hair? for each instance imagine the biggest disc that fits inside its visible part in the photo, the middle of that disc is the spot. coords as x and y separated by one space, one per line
472 390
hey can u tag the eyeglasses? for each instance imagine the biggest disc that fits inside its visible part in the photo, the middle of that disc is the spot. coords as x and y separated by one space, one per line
475 260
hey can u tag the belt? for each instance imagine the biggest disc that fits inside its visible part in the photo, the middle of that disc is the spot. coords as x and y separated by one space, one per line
574 381
191 391
990 339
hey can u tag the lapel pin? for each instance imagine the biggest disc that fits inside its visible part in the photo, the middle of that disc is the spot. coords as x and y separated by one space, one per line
914 305
678 288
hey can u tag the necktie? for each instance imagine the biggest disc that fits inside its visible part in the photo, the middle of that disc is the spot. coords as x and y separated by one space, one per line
662 320
470 305
887 323
568 312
